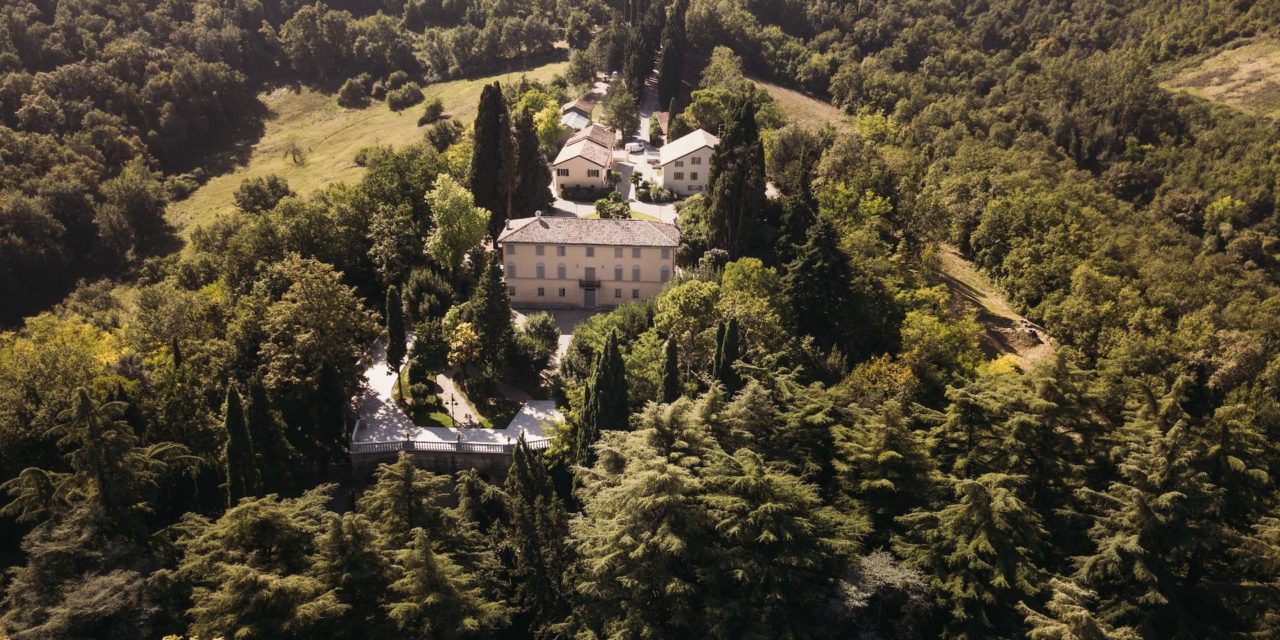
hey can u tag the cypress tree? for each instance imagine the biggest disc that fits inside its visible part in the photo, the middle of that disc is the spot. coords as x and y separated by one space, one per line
536 537
530 191
175 350
736 201
395 329
610 385
834 303
238 458
488 176
330 414
719 353
727 352
586 428
492 320
670 372
277 459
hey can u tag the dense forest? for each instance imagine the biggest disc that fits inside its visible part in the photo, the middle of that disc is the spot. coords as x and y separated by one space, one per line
803 436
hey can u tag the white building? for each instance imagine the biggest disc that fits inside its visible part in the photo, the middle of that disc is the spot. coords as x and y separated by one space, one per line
686 162
585 159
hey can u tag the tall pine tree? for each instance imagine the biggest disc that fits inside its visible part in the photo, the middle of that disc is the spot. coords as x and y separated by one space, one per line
531 190
436 598
489 175
349 565
239 461
980 554
834 303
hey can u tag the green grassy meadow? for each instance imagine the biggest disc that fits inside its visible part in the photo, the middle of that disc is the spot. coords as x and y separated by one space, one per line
329 135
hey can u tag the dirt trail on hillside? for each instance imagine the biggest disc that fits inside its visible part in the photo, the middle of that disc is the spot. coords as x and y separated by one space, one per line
1005 331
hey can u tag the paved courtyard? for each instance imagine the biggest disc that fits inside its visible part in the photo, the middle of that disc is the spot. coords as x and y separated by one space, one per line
382 420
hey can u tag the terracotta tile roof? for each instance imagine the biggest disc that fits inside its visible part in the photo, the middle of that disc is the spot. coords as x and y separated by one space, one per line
587 149
580 104
595 133
677 149
573 230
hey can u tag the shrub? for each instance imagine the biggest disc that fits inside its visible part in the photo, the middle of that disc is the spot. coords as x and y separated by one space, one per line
655 132
404 97
613 207
353 95
257 195
443 134
397 79
584 193
432 113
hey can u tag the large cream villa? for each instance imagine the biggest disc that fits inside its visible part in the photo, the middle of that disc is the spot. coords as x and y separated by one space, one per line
584 160
576 262
685 162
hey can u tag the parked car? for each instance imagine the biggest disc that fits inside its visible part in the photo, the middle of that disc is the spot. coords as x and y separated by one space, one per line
635 147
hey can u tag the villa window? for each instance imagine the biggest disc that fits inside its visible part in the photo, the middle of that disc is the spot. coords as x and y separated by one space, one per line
617 273
560 250
511 269
666 274
539 249
511 291
635 274
542 271
541 292
561 292
617 293
617 252
563 173
635 294
511 249
695 160
593 173
679 175
635 252
693 175
679 163
591 252
560 273
666 253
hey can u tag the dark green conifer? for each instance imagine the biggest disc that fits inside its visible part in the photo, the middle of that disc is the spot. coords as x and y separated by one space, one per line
736 202
536 536
489 176
530 192
727 353
671 388
980 555
396 342
492 308
277 459
240 463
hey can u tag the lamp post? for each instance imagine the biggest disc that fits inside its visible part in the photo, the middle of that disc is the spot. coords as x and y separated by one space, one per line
453 408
